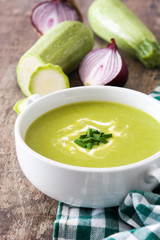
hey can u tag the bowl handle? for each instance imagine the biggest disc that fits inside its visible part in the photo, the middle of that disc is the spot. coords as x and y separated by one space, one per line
32 98
152 174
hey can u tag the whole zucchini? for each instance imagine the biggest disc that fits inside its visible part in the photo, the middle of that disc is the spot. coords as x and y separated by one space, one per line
112 19
65 45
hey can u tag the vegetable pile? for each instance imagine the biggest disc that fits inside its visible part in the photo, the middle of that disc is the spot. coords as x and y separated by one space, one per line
67 44
92 137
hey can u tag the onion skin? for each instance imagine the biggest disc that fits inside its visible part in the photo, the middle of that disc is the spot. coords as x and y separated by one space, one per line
42 24
121 79
104 67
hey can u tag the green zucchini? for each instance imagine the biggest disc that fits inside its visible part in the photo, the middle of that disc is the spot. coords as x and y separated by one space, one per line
65 45
20 105
112 19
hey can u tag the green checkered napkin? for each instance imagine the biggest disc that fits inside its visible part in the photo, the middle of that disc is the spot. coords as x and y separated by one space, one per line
138 217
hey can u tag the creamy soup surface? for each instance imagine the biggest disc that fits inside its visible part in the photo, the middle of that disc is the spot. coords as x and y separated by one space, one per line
136 135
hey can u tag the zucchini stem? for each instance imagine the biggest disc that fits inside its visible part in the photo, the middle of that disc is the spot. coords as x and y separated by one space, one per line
149 53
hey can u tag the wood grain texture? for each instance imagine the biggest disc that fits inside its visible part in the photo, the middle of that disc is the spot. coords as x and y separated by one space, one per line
26 213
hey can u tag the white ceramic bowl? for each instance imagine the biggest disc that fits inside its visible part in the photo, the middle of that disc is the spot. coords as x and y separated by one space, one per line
82 186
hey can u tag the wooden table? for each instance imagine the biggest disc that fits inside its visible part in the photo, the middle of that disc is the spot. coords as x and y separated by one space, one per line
26 213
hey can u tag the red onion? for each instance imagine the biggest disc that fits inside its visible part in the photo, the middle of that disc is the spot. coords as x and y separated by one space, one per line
47 14
104 67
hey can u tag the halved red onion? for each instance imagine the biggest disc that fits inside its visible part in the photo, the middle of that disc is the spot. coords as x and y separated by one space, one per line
47 14
104 67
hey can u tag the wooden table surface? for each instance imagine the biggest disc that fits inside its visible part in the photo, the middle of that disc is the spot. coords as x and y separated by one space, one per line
26 213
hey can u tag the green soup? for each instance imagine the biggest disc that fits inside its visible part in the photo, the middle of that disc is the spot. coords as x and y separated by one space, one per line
136 135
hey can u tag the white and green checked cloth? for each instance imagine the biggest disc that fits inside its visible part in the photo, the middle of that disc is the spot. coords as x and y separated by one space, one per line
138 217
